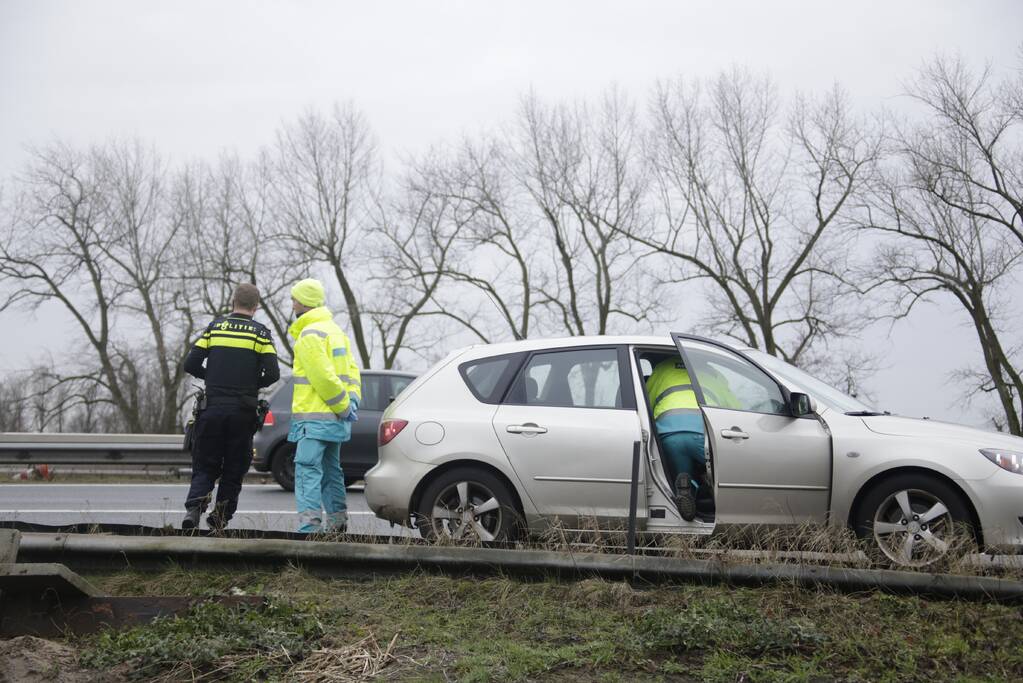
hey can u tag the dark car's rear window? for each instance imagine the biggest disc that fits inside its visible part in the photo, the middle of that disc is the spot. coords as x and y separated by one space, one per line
281 398
377 391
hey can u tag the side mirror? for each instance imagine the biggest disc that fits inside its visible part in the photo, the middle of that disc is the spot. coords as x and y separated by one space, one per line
801 404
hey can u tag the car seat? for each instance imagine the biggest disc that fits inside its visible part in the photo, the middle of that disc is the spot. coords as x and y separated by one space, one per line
532 391
558 393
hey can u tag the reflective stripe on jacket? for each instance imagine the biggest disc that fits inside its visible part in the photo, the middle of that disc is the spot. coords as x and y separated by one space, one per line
325 374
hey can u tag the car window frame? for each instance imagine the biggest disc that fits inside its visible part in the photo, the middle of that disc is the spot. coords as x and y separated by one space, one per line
624 377
503 382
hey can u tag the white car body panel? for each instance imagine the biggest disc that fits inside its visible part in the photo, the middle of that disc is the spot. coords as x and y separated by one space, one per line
585 485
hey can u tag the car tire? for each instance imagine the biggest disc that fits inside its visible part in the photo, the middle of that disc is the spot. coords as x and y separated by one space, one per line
913 520
468 504
283 465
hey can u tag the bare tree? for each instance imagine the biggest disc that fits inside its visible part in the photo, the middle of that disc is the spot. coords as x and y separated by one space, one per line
582 170
493 266
754 204
940 250
51 251
90 232
415 244
969 155
951 209
230 230
325 184
145 245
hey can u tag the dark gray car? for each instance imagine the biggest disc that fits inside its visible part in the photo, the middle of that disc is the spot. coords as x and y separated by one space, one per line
274 453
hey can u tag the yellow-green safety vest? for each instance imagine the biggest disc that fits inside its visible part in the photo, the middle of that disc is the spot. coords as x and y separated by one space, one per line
325 374
670 390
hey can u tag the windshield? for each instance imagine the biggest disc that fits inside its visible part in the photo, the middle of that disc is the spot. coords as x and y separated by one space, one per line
795 378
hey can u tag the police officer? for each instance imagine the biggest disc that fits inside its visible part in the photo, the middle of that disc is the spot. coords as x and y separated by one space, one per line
240 359
328 389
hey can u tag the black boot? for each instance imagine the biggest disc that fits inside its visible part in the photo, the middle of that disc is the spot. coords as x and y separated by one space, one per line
191 520
216 522
684 498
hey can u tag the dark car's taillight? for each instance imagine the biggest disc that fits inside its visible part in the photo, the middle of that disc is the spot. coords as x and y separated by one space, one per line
268 421
388 430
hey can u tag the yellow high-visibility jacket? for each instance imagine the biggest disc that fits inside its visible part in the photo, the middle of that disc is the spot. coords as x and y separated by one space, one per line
325 373
672 399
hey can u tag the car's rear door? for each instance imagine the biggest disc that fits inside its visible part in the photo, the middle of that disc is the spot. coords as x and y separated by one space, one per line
768 466
567 425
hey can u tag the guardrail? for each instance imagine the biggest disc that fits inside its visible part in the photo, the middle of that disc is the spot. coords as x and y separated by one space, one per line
92 449
95 551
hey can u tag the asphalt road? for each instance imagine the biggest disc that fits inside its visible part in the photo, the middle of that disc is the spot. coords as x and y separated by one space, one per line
261 506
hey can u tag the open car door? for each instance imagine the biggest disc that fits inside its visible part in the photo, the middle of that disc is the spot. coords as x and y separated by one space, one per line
768 466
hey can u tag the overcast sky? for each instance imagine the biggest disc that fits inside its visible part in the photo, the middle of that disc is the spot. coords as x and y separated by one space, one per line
195 78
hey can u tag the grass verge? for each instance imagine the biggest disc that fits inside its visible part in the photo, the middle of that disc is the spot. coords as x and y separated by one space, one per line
436 628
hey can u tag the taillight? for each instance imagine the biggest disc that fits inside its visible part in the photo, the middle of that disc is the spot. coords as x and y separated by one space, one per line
390 429
268 421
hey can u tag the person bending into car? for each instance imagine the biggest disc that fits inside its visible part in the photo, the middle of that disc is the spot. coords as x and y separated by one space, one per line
325 402
679 425
235 356
679 422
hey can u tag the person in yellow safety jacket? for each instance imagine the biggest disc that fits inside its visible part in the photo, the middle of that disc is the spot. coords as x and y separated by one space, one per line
679 425
328 389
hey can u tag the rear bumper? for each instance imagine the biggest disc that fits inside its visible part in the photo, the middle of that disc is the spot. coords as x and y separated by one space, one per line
391 483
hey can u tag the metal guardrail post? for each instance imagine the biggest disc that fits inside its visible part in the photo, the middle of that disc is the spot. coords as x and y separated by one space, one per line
633 499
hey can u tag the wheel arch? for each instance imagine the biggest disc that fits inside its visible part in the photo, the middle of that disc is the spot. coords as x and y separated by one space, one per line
854 509
417 493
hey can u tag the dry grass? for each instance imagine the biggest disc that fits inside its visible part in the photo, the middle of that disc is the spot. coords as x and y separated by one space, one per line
358 661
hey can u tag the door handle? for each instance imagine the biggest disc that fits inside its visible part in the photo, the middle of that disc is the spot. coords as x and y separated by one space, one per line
734 433
527 428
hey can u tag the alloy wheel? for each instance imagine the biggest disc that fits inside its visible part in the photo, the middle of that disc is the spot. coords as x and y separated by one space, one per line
467 509
913 527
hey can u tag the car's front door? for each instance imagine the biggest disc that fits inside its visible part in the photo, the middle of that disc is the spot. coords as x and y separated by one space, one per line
768 466
568 426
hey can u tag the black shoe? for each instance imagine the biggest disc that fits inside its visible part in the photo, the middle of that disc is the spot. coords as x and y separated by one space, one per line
684 498
216 523
191 520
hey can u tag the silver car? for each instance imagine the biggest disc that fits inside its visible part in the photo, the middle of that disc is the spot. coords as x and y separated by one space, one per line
507 438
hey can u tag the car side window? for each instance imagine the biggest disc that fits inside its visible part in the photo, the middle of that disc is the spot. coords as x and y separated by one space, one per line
729 381
398 384
483 377
373 397
578 378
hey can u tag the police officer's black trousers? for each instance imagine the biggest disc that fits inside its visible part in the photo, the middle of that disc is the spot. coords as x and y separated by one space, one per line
223 450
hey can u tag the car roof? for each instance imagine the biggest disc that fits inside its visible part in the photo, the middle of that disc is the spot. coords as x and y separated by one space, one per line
499 348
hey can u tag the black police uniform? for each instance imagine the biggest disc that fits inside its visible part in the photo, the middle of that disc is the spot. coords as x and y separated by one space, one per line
240 360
